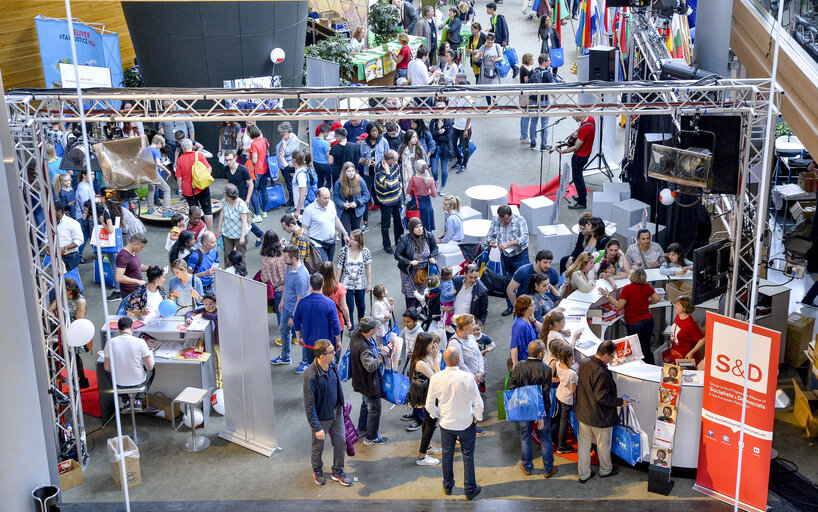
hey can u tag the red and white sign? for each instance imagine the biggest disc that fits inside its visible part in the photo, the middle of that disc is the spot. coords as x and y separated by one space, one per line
726 350
627 350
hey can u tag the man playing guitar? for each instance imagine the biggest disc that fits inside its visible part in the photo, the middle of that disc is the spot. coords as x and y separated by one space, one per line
581 142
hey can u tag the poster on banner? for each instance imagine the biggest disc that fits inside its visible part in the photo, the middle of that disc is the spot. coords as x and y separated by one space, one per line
627 349
666 413
724 375
90 76
96 47
660 456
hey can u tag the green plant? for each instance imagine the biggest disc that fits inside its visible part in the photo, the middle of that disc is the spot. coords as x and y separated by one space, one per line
384 22
132 78
334 49
782 129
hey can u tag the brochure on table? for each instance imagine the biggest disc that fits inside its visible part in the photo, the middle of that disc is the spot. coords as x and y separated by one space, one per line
375 62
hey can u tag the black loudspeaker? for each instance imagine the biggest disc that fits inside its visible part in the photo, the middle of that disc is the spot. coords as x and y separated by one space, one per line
602 63
627 3
659 481
727 153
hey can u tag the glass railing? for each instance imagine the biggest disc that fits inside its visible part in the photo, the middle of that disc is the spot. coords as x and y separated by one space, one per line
800 22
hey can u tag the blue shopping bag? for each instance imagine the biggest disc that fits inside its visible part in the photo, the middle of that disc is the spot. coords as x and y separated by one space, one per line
272 165
626 442
275 197
343 367
503 67
557 57
524 404
472 148
395 387
511 55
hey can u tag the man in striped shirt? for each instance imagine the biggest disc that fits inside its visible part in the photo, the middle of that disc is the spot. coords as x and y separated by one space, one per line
297 236
388 185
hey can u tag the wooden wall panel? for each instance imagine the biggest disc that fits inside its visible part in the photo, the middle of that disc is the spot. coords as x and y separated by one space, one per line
19 51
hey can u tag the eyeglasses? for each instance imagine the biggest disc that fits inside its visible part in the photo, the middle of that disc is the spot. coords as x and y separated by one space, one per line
330 352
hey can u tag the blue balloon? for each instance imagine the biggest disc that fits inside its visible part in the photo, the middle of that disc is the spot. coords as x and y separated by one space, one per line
167 308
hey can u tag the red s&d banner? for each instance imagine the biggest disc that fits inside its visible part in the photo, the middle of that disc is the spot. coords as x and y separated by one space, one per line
724 373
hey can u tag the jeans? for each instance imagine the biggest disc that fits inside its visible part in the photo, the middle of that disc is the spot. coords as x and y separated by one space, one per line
308 354
324 172
369 179
643 329
390 213
87 231
287 173
575 8
511 264
578 164
532 130
369 418
564 419
327 249
165 188
277 307
171 144
356 298
524 123
255 203
334 429
467 441
400 73
443 164
71 260
286 333
256 231
262 190
349 220
602 438
461 146
547 448
427 431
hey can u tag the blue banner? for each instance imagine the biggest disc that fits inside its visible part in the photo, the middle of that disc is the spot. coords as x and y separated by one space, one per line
93 49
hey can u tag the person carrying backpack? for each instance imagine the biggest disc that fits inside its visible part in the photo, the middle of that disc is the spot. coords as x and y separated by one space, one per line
305 183
540 75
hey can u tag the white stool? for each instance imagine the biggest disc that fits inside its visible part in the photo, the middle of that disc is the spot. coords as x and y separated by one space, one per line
556 238
469 213
139 437
475 231
493 210
449 255
628 212
602 203
623 189
483 196
537 211
191 397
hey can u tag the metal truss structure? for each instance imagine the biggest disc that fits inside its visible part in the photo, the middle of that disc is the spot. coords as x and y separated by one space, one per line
30 111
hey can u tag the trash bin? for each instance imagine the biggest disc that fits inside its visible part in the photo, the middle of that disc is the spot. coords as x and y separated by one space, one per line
45 497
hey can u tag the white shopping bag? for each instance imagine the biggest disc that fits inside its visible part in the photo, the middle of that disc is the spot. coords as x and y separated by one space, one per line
102 238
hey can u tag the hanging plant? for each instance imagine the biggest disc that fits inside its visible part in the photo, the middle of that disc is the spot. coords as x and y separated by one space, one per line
132 78
334 49
384 22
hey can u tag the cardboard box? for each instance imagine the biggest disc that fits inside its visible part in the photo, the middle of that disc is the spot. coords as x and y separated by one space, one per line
133 474
163 403
675 289
808 181
806 409
70 474
799 335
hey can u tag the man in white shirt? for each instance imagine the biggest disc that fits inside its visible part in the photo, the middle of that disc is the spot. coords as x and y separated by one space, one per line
418 72
69 233
454 399
320 222
134 361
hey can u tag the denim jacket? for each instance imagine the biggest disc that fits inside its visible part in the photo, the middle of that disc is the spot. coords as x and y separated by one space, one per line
374 154
361 200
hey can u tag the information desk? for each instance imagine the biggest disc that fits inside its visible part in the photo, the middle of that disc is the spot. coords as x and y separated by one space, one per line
171 376
641 380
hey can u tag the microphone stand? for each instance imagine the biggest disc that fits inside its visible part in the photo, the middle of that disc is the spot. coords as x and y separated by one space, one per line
542 150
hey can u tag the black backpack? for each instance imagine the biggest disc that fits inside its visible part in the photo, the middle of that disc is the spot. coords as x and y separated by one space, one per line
540 76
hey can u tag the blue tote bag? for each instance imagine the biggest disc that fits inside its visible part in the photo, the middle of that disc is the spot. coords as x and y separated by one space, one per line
511 55
557 57
626 442
343 367
524 404
503 67
395 387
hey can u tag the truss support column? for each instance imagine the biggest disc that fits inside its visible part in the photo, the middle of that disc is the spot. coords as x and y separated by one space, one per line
29 441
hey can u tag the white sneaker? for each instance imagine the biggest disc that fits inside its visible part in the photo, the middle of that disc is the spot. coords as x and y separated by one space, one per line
427 461
434 450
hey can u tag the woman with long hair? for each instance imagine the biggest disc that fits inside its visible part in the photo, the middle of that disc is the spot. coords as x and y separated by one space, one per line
410 151
273 268
354 271
351 197
146 298
337 293
636 298
578 275
228 137
416 250
421 189
183 246
185 288
422 365
538 287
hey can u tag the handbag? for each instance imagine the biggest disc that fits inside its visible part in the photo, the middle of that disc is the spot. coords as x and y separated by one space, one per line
557 57
511 55
271 291
272 164
275 197
421 274
627 437
394 386
413 205
524 404
343 367
501 410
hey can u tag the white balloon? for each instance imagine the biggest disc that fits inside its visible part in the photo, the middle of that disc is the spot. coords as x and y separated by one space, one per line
277 55
667 196
217 401
198 417
79 333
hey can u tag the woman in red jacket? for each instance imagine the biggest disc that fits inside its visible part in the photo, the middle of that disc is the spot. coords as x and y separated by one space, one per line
686 337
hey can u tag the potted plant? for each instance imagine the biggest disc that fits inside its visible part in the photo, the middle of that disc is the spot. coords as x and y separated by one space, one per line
384 22
132 78
334 49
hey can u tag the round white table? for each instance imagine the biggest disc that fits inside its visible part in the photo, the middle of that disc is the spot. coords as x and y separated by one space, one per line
788 146
610 228
475 231
483 196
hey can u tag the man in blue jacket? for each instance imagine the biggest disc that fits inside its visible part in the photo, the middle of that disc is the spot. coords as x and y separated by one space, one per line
471 295
500 29
315 318
324 405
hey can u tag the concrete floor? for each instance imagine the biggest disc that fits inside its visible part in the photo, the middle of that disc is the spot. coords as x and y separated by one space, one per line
226 471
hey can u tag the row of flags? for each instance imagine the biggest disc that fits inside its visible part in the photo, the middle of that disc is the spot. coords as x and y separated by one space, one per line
595 17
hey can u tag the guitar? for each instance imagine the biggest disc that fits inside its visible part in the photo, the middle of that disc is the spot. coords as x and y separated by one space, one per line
567 143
